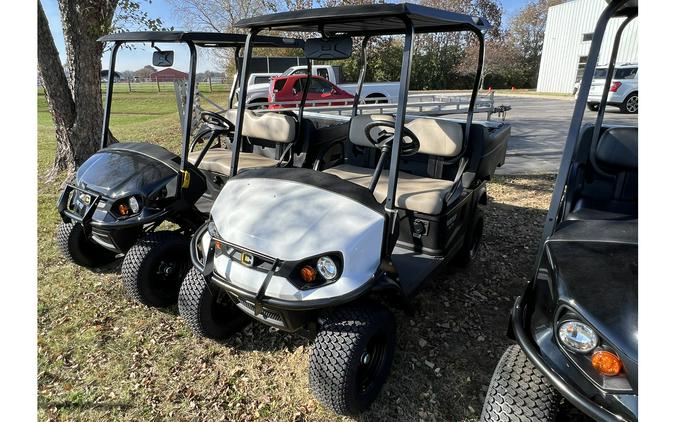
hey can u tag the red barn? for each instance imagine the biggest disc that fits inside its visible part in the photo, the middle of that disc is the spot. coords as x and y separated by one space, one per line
168 75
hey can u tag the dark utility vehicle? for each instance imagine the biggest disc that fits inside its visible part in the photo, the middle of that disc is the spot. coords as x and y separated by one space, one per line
122 193
295 248
576 324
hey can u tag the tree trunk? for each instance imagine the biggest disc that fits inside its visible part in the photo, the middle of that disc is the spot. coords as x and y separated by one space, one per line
75 101
59 100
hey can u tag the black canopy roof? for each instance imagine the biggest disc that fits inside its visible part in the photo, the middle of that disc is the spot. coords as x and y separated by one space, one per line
202 39
370 19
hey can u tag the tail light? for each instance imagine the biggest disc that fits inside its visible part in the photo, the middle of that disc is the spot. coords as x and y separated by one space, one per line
615 86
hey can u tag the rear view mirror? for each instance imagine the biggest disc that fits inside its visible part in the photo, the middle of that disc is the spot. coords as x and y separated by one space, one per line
328 48
162 58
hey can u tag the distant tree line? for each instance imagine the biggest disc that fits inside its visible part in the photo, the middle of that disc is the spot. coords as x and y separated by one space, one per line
442 61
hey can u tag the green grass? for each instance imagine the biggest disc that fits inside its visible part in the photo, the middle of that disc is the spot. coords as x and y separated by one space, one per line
102 356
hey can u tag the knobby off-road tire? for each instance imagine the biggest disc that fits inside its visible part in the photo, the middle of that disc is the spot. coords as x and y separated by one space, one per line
204 313
352 357
75 246
155 266
519 392
472 241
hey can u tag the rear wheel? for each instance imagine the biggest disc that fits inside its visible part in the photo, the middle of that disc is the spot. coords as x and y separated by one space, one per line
630 104
519 392
472 240
207 314
154 267
352 356
75 246
592 106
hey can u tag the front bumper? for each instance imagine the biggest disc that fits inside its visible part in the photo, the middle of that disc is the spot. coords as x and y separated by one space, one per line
257 302
114 234
569 390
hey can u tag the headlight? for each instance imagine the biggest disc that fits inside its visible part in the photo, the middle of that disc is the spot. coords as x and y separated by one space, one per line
577 336
213 231
134 205
316 272
327 268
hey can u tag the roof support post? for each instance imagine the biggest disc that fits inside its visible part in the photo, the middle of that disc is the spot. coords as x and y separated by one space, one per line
108 95
605 93
362 74
243 87
187 113
476 86
235 83
406 65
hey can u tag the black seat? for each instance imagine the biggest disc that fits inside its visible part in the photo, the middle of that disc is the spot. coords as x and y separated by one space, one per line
605 183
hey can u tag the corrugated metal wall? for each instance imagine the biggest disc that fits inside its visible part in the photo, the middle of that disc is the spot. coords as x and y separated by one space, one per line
564 43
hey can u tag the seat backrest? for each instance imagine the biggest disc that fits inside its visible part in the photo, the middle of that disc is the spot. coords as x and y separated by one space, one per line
613 186
357 126
439 138
271 126
617 150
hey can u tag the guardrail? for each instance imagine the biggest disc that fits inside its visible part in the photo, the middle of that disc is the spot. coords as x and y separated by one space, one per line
434 104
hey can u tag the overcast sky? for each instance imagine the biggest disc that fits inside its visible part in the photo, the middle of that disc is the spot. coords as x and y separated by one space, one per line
141 56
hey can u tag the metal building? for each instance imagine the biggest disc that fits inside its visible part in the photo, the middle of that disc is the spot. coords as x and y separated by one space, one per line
569 30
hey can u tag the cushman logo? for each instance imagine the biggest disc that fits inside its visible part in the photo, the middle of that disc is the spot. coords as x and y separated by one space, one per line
246 259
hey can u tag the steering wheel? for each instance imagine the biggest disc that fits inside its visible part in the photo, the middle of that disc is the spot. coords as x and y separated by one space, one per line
218 120
384 137
216 125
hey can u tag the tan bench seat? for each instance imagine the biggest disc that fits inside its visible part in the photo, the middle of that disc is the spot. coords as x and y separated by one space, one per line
416 193
218 160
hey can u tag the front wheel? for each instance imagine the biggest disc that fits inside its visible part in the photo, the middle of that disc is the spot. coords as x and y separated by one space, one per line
630 104
154 267
208 313
352 356
519 392
75 246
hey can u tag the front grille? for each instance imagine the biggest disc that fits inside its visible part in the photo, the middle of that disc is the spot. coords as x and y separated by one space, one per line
269 316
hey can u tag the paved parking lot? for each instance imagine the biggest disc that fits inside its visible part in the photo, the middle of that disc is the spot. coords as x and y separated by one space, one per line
539 129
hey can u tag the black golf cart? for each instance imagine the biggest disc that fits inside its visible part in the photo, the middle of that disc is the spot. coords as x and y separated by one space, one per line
576 324
124 192
298 248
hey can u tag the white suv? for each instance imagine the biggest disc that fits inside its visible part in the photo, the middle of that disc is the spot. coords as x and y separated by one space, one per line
623 92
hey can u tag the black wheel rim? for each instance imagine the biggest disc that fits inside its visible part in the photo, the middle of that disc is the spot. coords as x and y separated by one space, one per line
371 364
168 275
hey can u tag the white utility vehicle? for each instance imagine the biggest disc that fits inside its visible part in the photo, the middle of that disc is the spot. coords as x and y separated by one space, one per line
375 92
332 249
623 91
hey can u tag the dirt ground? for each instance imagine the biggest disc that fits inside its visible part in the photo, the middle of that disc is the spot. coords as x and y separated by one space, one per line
102 356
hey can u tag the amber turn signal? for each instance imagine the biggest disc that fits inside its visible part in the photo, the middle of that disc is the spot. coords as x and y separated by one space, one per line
607 363
123 209
308 274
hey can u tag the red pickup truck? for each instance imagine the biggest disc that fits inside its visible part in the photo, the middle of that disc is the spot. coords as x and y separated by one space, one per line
321 92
